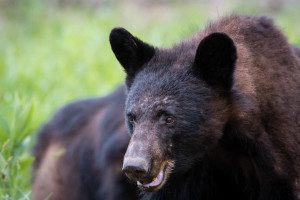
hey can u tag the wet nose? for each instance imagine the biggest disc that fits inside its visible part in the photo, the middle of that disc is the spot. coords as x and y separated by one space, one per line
135 169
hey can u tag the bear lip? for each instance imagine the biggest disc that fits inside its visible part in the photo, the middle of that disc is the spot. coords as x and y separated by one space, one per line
157 182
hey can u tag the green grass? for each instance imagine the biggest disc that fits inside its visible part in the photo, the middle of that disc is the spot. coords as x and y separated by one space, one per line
51 56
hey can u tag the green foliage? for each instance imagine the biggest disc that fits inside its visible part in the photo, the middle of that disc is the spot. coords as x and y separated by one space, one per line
50 56
16 128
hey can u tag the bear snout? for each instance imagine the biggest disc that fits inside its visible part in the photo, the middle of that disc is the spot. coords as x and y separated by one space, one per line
135 168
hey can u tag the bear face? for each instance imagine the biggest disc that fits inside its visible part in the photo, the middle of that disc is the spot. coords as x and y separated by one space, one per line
177 104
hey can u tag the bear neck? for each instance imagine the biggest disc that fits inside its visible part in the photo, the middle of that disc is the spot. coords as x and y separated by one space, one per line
237 168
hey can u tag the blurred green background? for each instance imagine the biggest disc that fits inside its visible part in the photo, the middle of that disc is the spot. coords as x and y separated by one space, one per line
56 51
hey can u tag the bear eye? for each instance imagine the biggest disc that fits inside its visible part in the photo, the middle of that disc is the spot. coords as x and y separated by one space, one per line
170 120
131 118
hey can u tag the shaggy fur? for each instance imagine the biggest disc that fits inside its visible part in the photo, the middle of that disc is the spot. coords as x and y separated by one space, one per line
79 152
232 94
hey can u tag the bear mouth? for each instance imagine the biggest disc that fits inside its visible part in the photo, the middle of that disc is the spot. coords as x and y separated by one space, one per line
159 181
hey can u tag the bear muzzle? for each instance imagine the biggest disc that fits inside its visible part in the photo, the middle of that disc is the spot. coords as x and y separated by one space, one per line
138 171
145 163
143 169
135 168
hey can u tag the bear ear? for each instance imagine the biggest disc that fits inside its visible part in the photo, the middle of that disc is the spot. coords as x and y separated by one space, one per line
215 61
131 52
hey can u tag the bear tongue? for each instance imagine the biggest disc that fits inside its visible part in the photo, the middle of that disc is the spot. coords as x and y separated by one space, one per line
156 181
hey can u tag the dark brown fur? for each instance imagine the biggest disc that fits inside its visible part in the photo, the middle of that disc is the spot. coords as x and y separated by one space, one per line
268 77
248 147
80 151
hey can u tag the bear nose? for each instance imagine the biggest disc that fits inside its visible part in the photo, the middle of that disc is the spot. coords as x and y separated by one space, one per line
135 169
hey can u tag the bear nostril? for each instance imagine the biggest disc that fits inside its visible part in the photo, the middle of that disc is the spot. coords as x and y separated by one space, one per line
139 171
135 171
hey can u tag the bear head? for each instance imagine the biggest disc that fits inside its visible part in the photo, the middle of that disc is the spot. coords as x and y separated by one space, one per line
177 103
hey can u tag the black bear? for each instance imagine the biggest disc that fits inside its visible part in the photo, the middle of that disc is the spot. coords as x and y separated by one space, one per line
79 152
216 116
